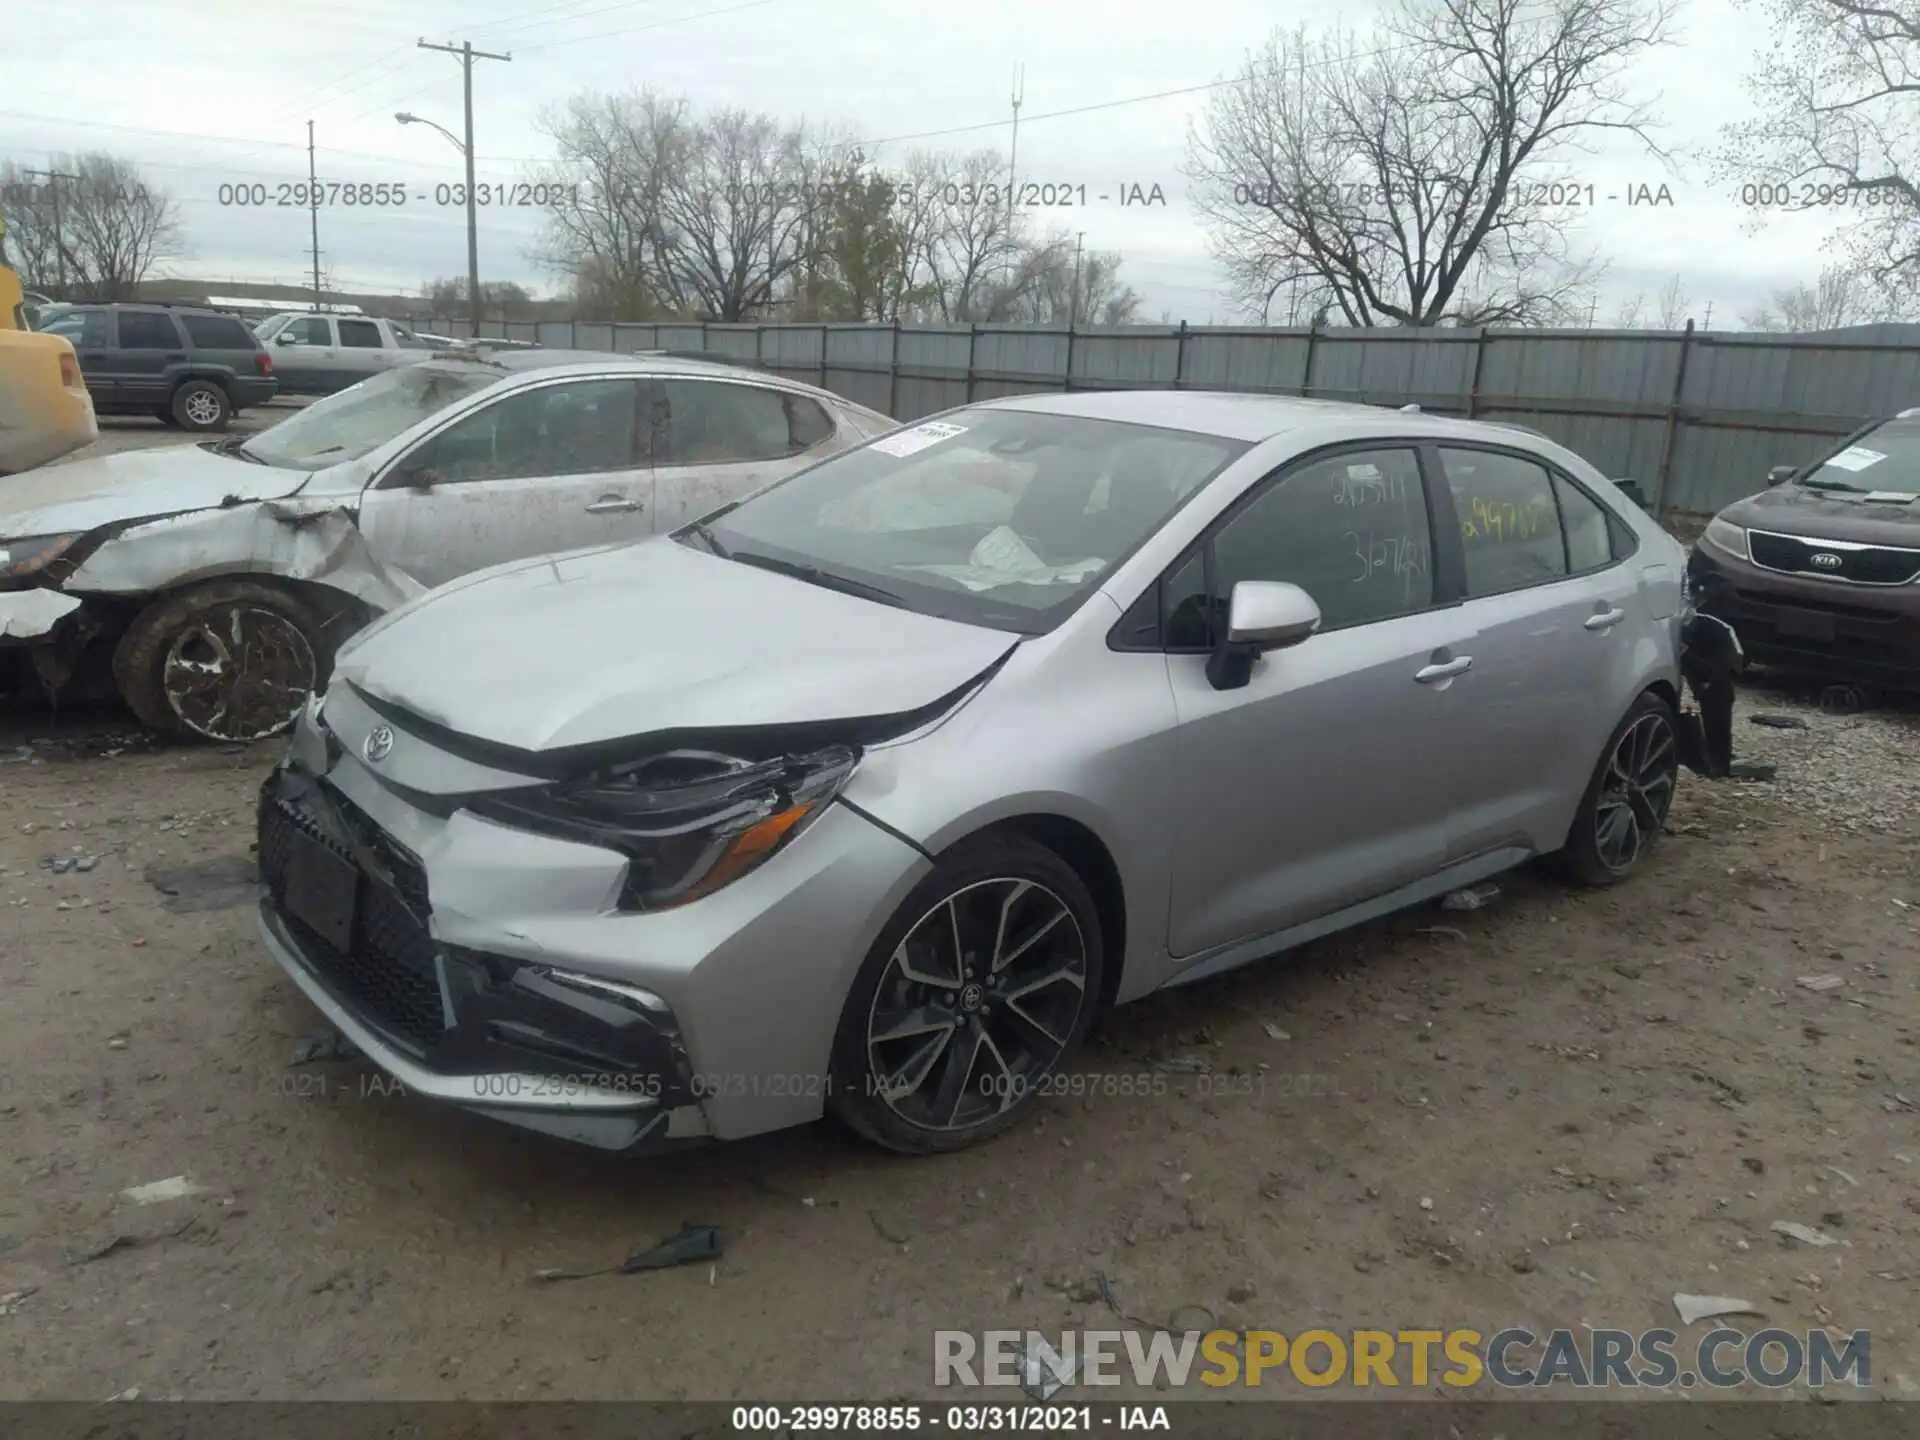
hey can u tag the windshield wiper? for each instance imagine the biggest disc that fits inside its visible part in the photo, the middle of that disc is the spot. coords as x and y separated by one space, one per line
1834 485
233 446
705 533
826 580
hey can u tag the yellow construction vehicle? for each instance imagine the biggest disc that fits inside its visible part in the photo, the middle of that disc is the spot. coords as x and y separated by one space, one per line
45 410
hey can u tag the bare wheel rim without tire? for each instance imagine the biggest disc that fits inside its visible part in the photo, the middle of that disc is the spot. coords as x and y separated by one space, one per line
240 672
202 407
1635 791
976 1005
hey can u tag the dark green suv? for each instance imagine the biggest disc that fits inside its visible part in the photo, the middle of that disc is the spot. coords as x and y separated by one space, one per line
192 367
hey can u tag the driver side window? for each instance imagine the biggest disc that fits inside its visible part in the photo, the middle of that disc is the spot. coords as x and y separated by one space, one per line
1351 530
306 330
580 428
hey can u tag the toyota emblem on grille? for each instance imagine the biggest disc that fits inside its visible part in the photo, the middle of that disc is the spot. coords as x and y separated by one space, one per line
379 744
1827 560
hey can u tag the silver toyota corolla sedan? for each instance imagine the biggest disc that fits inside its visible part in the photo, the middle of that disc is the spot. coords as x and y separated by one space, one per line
869 793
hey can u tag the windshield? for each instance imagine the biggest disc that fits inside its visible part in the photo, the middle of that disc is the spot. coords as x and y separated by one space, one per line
1884 460
365 416
271 326
1006 518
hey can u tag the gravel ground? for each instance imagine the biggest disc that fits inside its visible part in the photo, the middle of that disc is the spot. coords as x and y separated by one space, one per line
1555 1111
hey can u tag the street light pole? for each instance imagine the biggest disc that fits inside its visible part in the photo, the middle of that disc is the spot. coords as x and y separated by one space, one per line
467 55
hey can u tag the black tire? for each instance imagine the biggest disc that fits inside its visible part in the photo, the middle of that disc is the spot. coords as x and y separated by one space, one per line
997 1077
1625 807
282 653
201 405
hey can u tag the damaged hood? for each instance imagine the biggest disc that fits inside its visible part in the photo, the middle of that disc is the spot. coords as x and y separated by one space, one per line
632 640
83 495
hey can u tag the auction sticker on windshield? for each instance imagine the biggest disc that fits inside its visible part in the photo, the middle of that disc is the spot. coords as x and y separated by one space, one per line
911 442
1856 458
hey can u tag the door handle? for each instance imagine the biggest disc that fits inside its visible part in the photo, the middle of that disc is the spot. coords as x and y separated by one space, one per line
1427 674
614 505
1606 619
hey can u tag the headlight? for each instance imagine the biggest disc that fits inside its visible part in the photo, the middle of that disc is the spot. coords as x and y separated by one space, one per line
22 558
689 822
1727 536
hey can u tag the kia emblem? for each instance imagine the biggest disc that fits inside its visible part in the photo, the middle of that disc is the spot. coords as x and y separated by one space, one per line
1827 560
379 744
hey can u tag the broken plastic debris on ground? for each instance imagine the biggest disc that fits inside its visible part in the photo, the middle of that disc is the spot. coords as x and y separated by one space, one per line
689 1244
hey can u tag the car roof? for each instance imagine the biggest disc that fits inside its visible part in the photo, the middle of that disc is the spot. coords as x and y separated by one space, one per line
1239 415
588 362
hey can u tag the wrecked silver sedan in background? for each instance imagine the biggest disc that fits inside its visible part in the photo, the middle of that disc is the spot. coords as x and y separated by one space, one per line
209 584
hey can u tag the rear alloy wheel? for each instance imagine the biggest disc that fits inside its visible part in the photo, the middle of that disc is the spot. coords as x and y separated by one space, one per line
985 980
230 661
202 405
1626 803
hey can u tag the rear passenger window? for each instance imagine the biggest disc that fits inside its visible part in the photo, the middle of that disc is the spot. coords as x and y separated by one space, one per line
1509 522
1589 545
146 330
216 332
1350 530
807 422
360 334
712 422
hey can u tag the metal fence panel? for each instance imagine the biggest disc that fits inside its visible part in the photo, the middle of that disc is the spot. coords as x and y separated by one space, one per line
1274 360
1697 419
1126 358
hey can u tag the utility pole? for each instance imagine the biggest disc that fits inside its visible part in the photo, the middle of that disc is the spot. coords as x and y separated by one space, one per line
313 215
468 55
52 177
1707 324
1073 302
1013 158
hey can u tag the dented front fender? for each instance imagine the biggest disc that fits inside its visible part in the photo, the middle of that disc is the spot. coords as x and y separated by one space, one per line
314 540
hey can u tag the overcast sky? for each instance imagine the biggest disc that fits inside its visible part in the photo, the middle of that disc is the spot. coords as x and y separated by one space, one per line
219 92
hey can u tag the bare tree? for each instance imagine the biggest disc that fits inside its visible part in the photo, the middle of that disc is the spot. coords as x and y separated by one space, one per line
1674 304
106 229
970 240
614 157
1409 176
1052 285
1839 128
1841 296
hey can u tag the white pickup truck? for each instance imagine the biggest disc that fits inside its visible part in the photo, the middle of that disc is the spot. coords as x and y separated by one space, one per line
318 354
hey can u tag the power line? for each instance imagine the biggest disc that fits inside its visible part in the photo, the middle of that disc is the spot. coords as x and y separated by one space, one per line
1125 100
64 122
651 25
532 19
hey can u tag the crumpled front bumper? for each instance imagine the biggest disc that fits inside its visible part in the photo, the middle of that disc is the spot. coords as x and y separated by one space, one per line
30 615
575 1057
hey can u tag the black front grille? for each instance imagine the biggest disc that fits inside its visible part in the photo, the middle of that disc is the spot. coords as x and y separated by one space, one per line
1875 565
389 973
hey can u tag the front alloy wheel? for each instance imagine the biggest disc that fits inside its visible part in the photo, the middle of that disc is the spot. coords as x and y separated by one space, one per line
978 1002
987 977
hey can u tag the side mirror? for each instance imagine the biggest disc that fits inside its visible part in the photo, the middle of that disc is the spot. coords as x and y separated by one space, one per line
1780 474
286 337
1262 615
